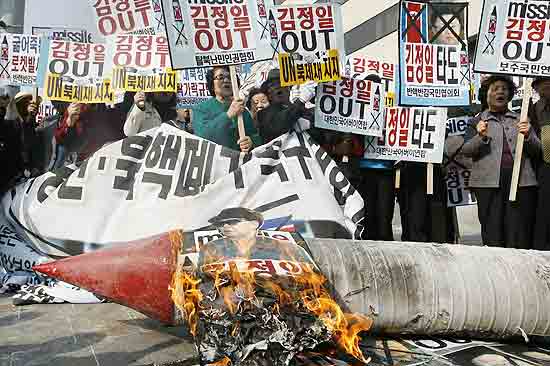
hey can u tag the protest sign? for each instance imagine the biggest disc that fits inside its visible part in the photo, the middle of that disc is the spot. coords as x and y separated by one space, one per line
64 34
457 167
141 63
253 75
361 67
433 54
457 179
350 105
204 34
74 72
19 59
120 17
411 134
180 181
457 126
310 42
513 38
192 88
68 20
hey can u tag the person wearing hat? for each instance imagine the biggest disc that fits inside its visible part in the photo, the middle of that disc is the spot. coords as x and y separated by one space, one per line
239 226
20 139
539 114
281 115
491 143
217 118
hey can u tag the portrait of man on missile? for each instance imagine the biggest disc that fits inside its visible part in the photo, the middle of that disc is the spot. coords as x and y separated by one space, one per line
239 227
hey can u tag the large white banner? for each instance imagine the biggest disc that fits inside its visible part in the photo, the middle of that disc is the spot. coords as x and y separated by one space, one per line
513 38
166 179
204 34
412 134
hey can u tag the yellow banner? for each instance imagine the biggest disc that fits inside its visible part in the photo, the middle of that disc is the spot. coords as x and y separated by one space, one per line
390 100
159 82
292 73
55 88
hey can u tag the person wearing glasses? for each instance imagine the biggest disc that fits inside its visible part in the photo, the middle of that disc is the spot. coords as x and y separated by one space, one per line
216 119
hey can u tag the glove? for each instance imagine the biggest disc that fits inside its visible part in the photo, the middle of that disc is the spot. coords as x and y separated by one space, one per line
307 91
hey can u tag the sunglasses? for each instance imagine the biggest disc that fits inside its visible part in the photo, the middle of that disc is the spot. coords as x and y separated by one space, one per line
221 77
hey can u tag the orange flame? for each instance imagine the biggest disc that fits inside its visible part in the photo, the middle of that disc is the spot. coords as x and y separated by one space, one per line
308 290
184 288
226 361
187 297
345 327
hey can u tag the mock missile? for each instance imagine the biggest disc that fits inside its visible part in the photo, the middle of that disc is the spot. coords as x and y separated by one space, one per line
135 275
409 288
492 29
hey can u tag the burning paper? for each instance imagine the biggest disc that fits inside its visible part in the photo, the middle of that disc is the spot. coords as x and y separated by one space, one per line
252 299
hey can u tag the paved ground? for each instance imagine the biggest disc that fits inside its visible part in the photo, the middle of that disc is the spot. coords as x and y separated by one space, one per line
82 335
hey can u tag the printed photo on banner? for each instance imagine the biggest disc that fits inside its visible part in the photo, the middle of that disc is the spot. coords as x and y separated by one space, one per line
130 16
433 54
141 63
19 55
411 134
74 72
513 38
192 88
360 67
351 105
310 42
205 34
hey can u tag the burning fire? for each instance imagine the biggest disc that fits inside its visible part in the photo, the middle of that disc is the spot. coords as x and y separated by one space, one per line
239 288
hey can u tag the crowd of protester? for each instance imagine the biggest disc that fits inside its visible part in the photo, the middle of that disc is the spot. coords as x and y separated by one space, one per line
78 130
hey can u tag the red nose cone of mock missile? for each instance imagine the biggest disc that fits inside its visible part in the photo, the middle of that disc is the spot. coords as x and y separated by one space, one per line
136 275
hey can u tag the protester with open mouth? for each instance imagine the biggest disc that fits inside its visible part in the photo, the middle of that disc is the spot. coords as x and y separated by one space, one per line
491 143
216 118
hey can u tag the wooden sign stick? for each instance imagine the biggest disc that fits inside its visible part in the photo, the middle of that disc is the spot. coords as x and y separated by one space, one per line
527 94
235 86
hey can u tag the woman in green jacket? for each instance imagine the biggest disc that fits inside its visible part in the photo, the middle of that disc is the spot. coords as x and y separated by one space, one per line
216 118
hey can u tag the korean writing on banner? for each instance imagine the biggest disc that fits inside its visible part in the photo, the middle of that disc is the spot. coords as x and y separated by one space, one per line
457 178
361 67
411 134
433 54
192 88
276 253
74 72
164 168
323 70
205 34
513 38
310 42
141 63
457 167
124 16
350 105
19 55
